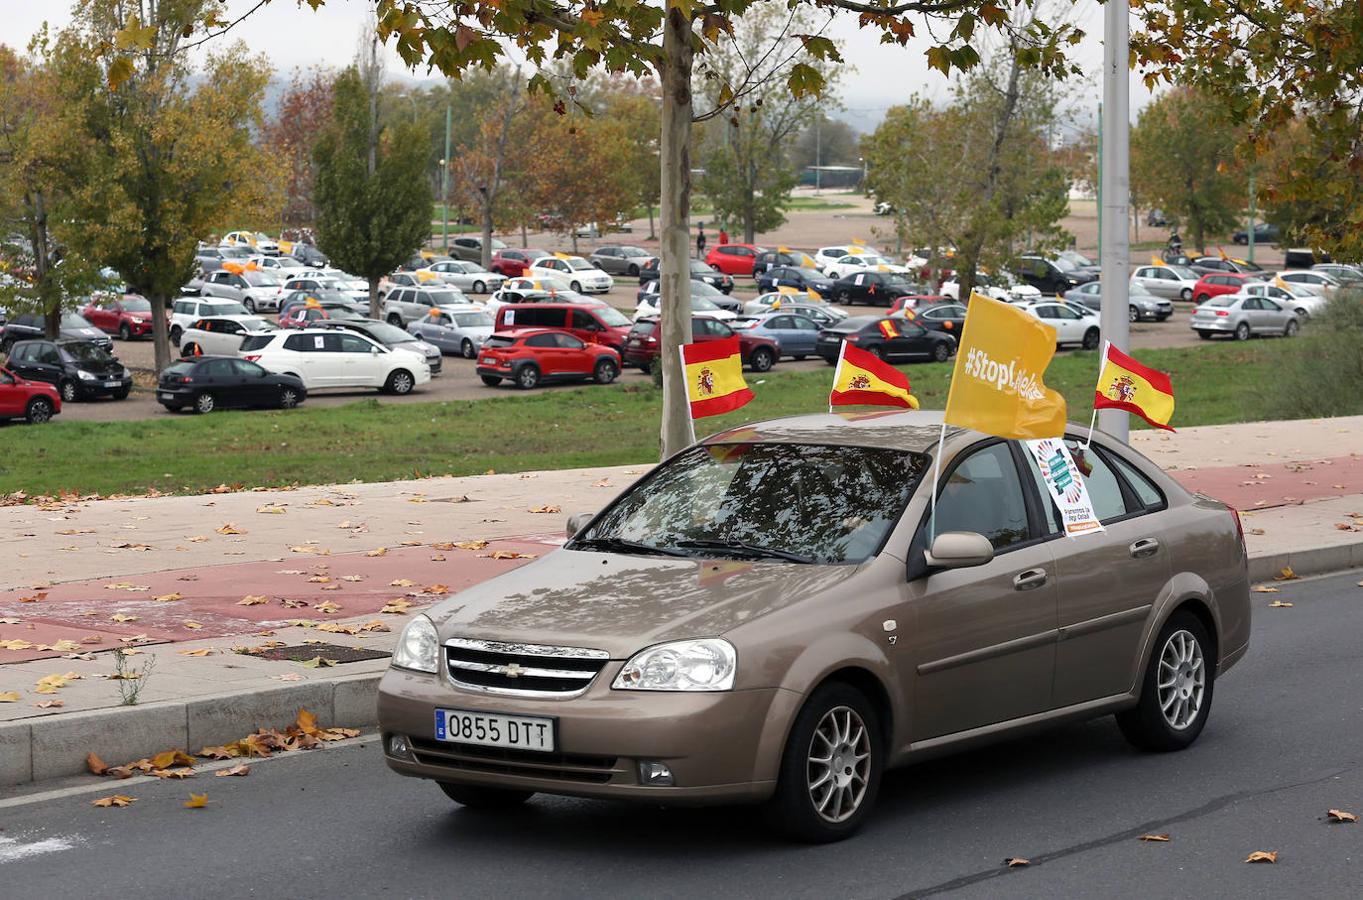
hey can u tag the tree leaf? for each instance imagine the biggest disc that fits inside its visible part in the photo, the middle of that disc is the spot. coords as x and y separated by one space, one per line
9 696
116 800
1262 856
1158 838
1339 815
196 801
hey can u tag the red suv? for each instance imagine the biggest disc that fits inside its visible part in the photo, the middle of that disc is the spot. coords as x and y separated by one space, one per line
1218 283
36 401
537 355
590 324
128 316
733 259
643 343
512 263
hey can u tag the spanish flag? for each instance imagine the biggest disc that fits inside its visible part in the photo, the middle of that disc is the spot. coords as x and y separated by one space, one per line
888 330
863 380
714 377
1126 384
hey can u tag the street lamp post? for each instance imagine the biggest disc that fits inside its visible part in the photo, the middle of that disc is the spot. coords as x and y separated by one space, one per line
445 185
1114 252
1249 233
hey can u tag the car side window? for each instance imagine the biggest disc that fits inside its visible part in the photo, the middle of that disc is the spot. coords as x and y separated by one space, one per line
1265 303
1145 490
541 340
568 342
301 343
583 320
351 343
982 494
49 356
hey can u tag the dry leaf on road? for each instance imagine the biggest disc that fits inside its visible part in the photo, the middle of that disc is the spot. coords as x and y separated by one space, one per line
1262 856
201 651
196 801
1339 815
1280 604
317 662
326 606
1155 838
118 800
1264 589
506 554
546 509
191 625
230 528
168 598
238 769
1286 574
270 510
121 617
50 704
252 600
9 696
1014 862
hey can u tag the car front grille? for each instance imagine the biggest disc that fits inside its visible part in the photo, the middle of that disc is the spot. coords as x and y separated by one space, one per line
535 670
506 761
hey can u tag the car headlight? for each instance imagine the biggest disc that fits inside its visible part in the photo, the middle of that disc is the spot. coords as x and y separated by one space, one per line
418 647
84 375
701 665
127 373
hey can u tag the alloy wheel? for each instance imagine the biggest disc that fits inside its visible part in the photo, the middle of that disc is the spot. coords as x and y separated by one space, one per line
402 383
39 411
1133 314
479 287
839 764
288 398
466 349
204 403
1182 679
68 390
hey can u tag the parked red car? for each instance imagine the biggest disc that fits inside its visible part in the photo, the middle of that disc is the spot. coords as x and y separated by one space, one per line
533 356
915 302
643 344
1218 283
590 324
733 259
36 401
512 262
128 316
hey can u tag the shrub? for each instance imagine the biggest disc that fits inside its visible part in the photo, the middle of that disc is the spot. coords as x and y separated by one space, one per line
1326 377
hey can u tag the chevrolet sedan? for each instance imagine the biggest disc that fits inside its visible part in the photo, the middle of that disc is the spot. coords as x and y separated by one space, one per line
778 615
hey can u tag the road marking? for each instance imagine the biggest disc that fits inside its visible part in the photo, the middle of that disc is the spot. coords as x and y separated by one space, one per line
12 850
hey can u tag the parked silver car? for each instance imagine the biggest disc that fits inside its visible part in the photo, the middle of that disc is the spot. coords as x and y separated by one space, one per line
454 330
1142 305
1168 281
258 291
620 260
465 275
408 304
1243 315
471 248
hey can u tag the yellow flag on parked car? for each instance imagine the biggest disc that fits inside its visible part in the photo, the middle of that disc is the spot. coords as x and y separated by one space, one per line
997 385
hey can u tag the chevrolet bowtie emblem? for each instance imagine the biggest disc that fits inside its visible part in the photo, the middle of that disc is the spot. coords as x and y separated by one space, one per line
514 670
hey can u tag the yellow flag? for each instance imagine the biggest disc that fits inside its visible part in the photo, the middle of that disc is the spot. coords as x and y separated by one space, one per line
997 386
1155 260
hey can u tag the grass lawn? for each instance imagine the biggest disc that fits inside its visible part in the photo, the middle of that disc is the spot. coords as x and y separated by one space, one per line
552 428
818 203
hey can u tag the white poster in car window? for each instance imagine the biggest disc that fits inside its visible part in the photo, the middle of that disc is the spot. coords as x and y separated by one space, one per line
1062 478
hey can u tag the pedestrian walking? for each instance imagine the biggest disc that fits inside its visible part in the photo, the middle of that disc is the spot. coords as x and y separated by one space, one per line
723 237
700 240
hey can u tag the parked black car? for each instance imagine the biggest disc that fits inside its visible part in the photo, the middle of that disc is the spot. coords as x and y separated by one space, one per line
948 317
309 255
876 288
81 370
800 278
206 383
770 259
700 271
1264 233
888 338
29 326
1051 276
719 298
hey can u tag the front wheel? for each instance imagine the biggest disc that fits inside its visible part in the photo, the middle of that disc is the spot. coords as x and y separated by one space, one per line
250 305
940 352
1205 335
204 404
1091 339
175 334
762 360
125 333
575 287
830 770
605 372
1176 691
400 382
39 411
845 297
67 389
395 320
467 350
289 398
1133 314
1202 298
1291 329
490 380
478 797
479 287
633 271
190 349
527 377
1186 294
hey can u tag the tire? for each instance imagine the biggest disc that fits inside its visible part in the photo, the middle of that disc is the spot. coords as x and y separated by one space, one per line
1133 314
762 360
250 305
1291 329
1302 314
289 397
467 350
1147 725
478 797
479 287
39 411
845 297
1186 294
68 391
814 801
1205 335
1091 338
527 377
941 352
187 350
1242 331
633 271
175 334
395 320
121 394
575 287
204 403
1202 298
399 382
605 372
124 332
490 380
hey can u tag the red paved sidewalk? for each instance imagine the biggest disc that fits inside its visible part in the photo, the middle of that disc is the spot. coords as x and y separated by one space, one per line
1277 482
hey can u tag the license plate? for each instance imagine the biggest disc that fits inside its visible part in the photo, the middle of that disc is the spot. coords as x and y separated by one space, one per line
488 361
112 384
465 726
164 396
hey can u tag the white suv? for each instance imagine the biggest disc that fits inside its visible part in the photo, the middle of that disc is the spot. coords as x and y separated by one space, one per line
188 310
327 358
576 272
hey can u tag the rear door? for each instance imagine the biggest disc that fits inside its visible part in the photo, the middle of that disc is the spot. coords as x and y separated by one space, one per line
803 333
355 359
572 355
12 399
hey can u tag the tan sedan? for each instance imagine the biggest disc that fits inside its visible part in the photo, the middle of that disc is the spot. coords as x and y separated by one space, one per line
763 618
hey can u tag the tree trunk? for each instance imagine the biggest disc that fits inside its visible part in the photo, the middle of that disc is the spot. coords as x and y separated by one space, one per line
675 278
487 231
374 311
652 234
49 298
160 330
525 240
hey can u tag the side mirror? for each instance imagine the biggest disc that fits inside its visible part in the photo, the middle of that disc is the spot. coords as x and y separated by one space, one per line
959 550
576 522
373 351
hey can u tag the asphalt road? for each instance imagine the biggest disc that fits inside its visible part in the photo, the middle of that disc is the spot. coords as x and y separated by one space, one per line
1282 746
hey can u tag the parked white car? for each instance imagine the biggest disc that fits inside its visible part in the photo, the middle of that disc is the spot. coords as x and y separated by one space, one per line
1005 288
1073 324
188 310
1312 282
332 358
1295 297
576 272
863 262
221 335
827 256
284 266
253 240
467 276
1167 281
256 289
648 308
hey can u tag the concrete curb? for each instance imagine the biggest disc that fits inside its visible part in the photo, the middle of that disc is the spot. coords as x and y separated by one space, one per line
1312 561
41 748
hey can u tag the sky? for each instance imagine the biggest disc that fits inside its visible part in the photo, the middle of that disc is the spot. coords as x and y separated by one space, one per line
883 75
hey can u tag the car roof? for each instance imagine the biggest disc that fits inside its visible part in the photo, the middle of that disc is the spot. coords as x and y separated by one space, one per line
519 333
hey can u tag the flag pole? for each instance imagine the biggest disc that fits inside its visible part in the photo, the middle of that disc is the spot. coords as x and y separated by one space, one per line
936 473
1102 364
837 373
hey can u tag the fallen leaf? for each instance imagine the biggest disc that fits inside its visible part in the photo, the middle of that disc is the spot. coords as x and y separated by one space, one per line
1264 589
172 773
9 696
546 509
227 751
1286 574
352 578
1160 838
230 528
436 589
292 603
50 704
462 545
270 510
402 582
168 598
1262 856
507 554
317 662
121 617
1280 604
1014 862
49 684
1339 815
16 644
35 598
124 545
320 579
196 801
252 600
96 765
238 769
119 800
378 551
326 606
303 548
92 639
375 625
288 676
201 651
197 539
192 626
1256 531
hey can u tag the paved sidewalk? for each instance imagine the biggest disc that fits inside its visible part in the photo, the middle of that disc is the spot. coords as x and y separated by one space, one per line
345 566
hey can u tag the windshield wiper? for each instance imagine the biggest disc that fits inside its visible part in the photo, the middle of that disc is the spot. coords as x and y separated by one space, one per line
622 545
745 549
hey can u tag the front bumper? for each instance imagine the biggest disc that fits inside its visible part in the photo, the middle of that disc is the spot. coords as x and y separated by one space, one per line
721 747
104 387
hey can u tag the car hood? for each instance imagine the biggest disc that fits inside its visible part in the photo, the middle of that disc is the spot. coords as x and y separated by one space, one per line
88 334
623 603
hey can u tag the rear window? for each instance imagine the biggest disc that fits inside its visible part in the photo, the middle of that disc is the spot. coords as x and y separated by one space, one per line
1224 300
179 368
645 327
613 317
256 341
499 341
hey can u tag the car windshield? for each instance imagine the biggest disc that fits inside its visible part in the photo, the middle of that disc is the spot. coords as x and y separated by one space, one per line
74 320
385 333
136 304
446 298
83 351
231 308
701 289
703 305
611 316
256 325
1184 272
800 502
477 320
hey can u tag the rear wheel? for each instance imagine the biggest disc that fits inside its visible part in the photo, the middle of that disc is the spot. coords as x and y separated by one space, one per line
1176 691
479 287
288 397
395 320
941 351
67 389
1291 329
1203 298
204 403
605 371
830 770
39 411
1133 314
175 334
467 350
633 271
527 377
400 382
479 797
762 360
1091 339
490 380
575 287
1242 331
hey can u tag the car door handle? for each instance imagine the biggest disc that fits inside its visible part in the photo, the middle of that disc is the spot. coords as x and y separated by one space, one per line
1032 578
1144 547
